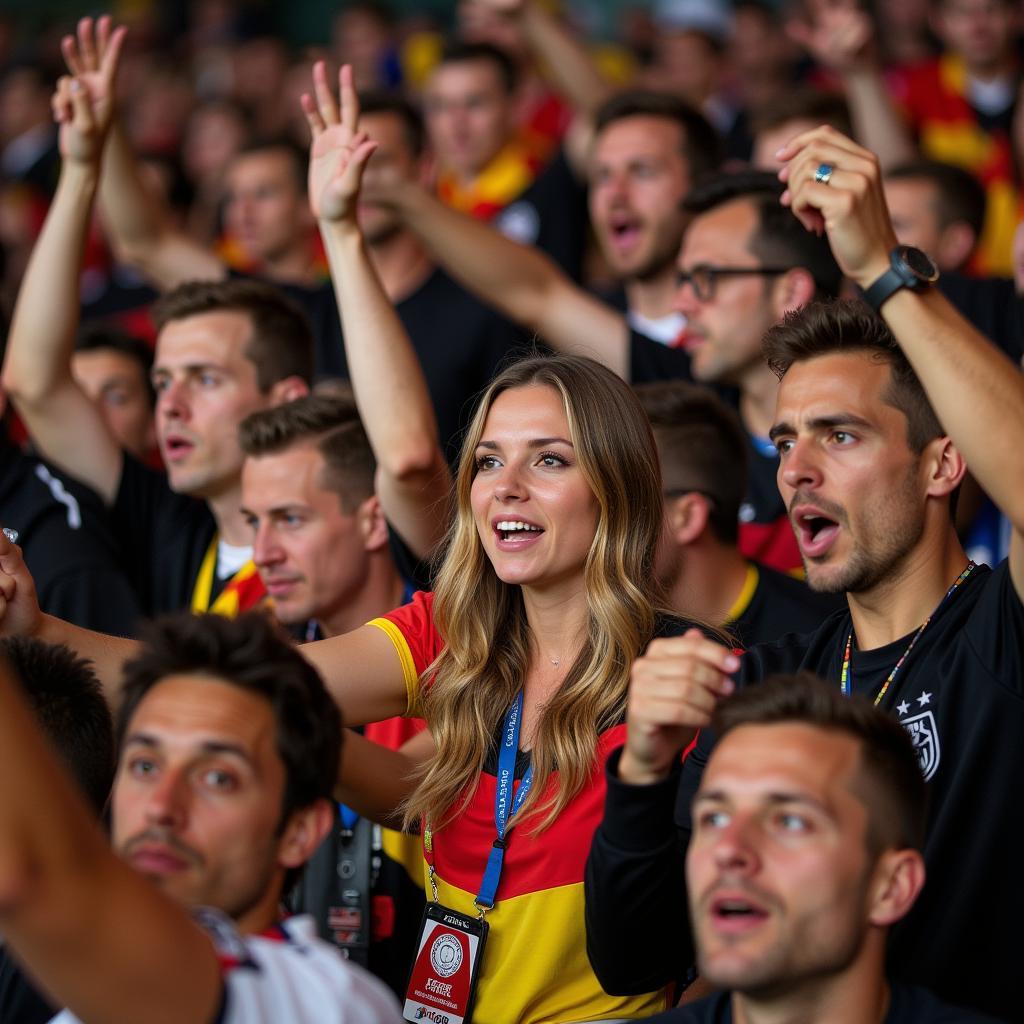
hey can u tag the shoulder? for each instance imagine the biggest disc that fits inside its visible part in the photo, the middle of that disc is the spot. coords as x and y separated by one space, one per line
714 1009
913 1005
292 976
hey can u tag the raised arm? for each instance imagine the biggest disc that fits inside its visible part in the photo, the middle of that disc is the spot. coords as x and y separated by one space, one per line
390 390
977 392
139 227
101 939
839 34
518 280
66 426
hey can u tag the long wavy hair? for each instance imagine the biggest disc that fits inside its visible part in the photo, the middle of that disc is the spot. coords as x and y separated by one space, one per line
483 621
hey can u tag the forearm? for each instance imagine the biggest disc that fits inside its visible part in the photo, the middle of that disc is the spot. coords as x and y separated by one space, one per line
877 124
976 391
520 282
375 781
565 59
107 653
38 360
138 226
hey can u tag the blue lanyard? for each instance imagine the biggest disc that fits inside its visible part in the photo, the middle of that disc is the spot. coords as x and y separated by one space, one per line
504 804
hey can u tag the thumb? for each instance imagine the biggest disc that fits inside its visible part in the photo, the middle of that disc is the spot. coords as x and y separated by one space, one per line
80 105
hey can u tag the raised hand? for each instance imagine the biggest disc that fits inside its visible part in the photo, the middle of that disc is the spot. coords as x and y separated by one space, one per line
673 691
838 34
849 207
83 104
339 151
19 606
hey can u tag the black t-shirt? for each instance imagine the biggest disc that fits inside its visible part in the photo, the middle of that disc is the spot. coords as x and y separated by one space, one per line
961 696
551 214
781 604
163 535
992 306
20 1002
66 538
908 1005
460 343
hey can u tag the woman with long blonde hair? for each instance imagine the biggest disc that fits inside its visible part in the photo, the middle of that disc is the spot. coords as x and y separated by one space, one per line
544 597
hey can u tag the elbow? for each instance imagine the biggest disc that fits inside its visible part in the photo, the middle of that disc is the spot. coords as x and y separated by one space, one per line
24 389
415 461
20 881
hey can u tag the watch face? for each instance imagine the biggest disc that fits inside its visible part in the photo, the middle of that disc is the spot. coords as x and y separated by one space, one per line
920 264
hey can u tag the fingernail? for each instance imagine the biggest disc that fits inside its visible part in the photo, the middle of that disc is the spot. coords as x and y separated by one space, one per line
728 686
75 85
732 663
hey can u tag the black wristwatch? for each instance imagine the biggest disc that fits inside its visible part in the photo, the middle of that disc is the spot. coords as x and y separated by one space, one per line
909 268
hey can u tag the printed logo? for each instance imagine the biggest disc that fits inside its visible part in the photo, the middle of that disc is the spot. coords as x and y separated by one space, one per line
925 735
446 955
431 1015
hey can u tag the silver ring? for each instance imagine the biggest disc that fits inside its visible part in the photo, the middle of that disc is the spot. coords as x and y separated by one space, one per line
11 534
824 173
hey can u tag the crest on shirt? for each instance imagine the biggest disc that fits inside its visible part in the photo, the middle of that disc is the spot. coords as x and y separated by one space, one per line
925 735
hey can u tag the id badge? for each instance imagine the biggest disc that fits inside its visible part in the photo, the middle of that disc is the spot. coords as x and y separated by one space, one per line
442 985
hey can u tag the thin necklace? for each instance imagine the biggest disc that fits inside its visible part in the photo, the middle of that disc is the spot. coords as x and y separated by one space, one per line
845 678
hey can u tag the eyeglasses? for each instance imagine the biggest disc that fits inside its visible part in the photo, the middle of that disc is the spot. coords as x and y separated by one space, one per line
703 279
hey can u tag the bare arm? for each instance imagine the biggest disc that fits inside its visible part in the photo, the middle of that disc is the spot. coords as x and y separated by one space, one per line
519 281
977 392
140 229
67 427
839 34
102 939
387 379
376 781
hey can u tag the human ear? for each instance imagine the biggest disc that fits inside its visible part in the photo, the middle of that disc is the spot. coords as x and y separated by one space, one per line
898 879
306 830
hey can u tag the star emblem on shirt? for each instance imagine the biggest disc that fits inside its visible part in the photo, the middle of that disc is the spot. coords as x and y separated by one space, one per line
903 707
924 698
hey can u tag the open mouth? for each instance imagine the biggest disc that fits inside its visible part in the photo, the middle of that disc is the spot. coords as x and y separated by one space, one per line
816 532
736 913
177 448
515 529
624 232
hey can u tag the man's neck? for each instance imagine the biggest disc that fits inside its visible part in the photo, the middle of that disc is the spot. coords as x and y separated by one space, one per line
759 389
710 582
652 297
402 264
910 593
859 995
382 590
231 525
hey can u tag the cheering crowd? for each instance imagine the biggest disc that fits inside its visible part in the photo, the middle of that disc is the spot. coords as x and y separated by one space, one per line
503 528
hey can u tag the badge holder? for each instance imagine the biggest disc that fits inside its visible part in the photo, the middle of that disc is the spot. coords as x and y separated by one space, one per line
450 950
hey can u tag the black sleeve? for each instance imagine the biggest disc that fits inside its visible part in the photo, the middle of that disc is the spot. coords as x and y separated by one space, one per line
20 1003
995 630
638 936
95 597
651 361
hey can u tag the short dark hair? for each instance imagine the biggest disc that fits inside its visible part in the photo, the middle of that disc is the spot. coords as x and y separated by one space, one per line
281 345
702 448
702 147
248 652
804 103
458 51
961 197
894 791
334 425
780 239
298 159
98 336
68 702
848 325
379 101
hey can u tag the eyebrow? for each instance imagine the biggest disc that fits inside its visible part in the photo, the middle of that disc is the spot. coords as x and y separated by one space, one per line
774 799
540 442
839 419
143 739
188 368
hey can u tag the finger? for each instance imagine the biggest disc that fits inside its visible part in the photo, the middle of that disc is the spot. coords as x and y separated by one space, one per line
104 23
349 98
112 52
69 51
309 108
60 102
324 98
806 163
87 44
80 103
694 644
824 133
